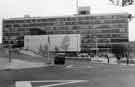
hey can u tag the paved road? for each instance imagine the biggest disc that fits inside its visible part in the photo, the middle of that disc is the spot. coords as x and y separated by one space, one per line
95 75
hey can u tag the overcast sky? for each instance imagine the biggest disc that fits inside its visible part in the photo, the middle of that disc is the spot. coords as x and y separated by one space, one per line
18 8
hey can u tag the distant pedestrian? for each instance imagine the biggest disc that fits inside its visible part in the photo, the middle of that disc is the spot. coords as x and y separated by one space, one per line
107 58
118 58
127 58
89 58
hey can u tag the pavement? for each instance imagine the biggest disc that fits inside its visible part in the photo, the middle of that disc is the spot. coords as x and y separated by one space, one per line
20 60
19 64
22 64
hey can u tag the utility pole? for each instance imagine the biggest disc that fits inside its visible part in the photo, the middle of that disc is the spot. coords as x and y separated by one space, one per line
96 38
9 55
48 49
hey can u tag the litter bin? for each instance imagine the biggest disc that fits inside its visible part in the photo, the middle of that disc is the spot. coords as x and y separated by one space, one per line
59 59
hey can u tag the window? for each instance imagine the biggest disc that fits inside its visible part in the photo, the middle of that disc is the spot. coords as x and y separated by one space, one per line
123 30
119 40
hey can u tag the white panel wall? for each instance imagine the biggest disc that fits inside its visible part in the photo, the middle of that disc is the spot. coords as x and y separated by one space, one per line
35 41
74 41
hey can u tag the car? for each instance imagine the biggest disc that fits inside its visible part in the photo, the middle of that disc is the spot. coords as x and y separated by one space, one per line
59 58
91 54
84 56
130 60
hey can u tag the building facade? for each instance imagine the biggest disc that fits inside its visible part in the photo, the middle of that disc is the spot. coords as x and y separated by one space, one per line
98 32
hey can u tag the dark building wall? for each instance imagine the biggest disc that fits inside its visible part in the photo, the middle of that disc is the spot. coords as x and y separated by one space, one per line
100 31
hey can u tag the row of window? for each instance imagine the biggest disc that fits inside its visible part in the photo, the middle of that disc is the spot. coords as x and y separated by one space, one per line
112 35
81 31
96 23
119 25
88 46
89 40
85 29
77 18
84 33
120 30
85 37
72 27
64 32
103 40
98 46
102 33
22 33
83 45
112 21
89 33
92 49
89 28
112 16
15 30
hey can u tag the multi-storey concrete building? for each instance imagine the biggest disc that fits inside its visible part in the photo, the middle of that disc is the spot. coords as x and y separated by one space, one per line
97 31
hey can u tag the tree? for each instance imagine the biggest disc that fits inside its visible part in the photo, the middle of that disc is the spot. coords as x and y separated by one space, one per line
127 2
122 3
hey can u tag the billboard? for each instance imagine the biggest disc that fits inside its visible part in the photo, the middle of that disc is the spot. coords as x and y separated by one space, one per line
61 42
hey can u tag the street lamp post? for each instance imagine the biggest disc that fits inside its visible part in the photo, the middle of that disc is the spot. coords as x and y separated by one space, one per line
9 52
128 54
96 46
96 43
49 60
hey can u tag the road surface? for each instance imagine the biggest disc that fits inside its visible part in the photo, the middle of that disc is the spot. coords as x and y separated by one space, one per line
91 75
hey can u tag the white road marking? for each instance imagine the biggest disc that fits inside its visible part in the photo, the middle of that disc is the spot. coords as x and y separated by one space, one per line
69 66
73 81
23 84
62 82
78 67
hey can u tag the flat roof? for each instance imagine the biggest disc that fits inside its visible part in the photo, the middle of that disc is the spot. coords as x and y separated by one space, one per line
66 16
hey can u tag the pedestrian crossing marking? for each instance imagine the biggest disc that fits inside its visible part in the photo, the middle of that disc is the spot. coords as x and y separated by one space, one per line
23 84
54 83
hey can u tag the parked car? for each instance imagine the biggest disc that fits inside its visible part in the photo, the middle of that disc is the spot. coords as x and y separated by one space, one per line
84 56
124 60
91 54
59 58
